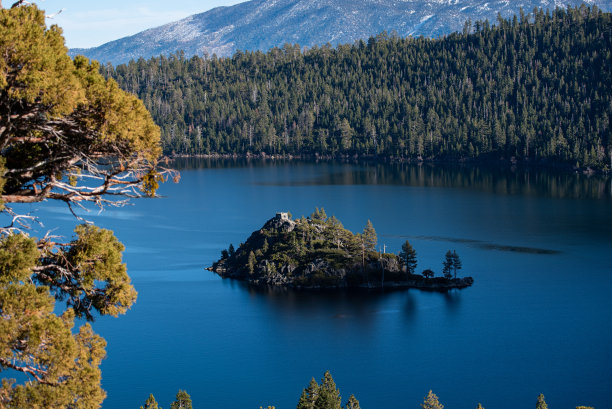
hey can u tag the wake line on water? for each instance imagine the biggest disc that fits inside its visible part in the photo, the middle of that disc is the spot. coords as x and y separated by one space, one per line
487 245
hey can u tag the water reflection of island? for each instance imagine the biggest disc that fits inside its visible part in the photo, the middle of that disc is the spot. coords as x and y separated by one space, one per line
347 308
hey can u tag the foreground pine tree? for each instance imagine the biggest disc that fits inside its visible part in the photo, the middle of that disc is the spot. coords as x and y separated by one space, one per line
151 403
324 396
541 403
309 395
431 402
182 401
69 135
352 403
329 395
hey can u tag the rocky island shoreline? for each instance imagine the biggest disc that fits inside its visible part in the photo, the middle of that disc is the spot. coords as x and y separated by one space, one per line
317 252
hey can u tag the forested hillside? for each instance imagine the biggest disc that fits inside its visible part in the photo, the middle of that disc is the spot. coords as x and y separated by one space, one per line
535 87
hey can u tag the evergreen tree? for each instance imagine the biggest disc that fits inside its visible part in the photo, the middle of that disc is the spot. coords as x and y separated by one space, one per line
431 402
428 273
483 97
447 269
151 403
480 406
251 262
182 401
456 262
352 403
408 257
309 396
232 251
329 395
319 214
541 403
66 134
369 237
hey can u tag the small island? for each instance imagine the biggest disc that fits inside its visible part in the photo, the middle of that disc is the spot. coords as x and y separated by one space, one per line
317 252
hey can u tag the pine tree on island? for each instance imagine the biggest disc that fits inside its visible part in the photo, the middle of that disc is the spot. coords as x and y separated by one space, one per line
370 239
451 264
456 263
447 269
251 262
408 257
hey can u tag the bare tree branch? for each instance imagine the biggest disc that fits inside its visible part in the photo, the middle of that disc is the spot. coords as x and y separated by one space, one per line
36 373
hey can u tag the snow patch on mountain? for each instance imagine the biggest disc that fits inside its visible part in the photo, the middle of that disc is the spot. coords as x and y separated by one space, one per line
263 24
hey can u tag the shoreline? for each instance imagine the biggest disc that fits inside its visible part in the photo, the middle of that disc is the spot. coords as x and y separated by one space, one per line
501 163
437 284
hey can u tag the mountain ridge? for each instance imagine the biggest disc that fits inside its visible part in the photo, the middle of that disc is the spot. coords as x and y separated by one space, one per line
261 25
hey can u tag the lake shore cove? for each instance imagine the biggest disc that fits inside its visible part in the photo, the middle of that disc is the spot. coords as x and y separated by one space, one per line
317 252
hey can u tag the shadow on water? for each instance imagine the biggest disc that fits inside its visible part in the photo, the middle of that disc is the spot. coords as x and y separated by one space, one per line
363 305
410 307
452 300
499 180
486 245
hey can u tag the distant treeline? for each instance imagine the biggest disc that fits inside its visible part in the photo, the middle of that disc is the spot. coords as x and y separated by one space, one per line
535 87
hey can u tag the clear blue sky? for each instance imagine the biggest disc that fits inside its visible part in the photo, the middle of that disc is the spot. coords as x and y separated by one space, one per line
88 23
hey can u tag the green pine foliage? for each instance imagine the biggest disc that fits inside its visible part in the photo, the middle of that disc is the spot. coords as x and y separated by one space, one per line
541 402
70 135
431 402
447 265
352 403
369 237
329 395
408 257
324 396
309 395
457 265
314 251
533 87
182 401
151 403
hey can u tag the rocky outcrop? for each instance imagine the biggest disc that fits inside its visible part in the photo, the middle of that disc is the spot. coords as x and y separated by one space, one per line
318 253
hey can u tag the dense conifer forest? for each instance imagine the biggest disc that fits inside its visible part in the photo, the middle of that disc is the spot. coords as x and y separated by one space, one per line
535 87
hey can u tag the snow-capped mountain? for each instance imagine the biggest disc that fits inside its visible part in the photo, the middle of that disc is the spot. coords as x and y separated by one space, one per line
263 24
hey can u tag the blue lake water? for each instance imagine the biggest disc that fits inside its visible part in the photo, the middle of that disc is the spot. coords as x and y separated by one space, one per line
537 320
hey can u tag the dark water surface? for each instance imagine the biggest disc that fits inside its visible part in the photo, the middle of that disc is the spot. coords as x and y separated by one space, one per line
537 320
